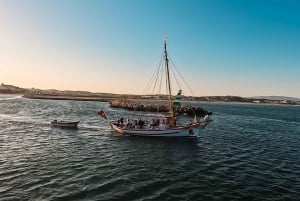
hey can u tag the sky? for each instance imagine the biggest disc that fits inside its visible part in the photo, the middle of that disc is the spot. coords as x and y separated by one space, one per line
220 47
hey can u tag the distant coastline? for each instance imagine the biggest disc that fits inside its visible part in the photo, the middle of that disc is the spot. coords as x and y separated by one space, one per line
218 99
107 97
66 97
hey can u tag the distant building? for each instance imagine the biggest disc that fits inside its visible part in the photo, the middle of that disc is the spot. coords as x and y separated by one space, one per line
178 97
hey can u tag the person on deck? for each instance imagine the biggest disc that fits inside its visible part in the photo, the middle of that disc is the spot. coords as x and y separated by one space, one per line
122 121
128 123
140 123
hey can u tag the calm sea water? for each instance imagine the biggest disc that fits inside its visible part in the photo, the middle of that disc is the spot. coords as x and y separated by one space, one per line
249 152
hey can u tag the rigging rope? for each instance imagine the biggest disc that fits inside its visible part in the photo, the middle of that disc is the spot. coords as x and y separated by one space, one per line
189 88
153 77
159 75
176 78
155 83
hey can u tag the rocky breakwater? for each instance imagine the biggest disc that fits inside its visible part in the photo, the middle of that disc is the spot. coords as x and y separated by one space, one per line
160 106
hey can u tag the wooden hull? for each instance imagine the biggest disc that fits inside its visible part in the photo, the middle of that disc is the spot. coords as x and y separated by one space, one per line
191 131
64 124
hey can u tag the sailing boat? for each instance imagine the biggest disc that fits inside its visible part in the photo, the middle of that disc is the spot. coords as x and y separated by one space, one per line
166 126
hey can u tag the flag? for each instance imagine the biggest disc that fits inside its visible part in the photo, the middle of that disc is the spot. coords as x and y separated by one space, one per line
195 119
102 114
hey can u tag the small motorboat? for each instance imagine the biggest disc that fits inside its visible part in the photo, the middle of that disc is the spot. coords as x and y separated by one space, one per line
65 124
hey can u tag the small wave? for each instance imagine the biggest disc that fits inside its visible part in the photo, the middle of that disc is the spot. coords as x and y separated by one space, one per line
20 120
23 120
89 128
10 97
257 118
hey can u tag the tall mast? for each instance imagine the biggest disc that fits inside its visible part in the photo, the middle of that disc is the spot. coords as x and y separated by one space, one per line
171 110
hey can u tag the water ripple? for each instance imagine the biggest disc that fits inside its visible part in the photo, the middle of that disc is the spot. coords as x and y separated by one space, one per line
249 152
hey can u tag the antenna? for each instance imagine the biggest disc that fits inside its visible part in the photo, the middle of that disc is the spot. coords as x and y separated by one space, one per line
165 37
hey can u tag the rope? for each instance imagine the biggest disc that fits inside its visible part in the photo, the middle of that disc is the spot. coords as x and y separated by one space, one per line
153 77
189 88
176 78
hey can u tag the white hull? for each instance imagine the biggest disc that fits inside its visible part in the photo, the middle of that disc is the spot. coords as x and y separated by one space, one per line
191 131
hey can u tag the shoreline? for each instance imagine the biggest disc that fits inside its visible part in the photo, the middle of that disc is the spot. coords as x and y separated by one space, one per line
108 99
59 97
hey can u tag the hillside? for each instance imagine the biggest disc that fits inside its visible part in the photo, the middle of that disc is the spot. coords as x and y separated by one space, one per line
85 95
10 89
277 98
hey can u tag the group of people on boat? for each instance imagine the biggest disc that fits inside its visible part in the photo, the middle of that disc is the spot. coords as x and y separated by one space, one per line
154 123
142 124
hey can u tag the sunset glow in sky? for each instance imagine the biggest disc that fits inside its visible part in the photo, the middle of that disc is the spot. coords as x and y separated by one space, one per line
221 47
